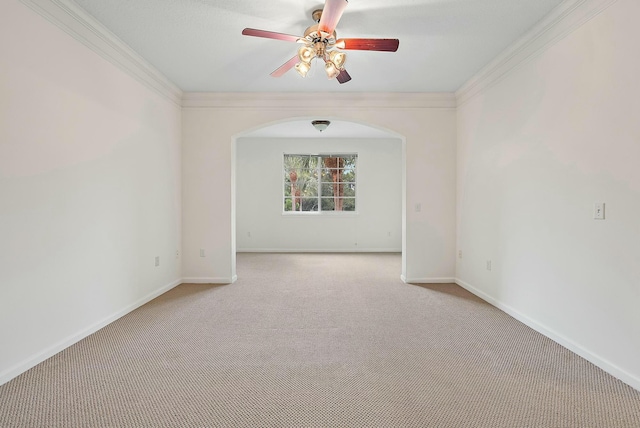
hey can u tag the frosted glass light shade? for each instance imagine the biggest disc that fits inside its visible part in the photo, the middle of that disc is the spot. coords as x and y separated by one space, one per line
331 69
306 54
303 68
338 58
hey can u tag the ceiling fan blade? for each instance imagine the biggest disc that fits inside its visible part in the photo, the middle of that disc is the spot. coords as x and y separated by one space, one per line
383 45
285 67
331 14
343 77
269 35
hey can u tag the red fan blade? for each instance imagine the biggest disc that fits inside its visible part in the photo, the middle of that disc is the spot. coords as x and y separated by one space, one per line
343 77
383 45
331 14
269 35
285 67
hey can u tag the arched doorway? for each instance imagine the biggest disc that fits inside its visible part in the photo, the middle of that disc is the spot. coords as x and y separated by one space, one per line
269 142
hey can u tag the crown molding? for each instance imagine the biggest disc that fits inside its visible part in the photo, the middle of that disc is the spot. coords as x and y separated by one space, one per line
73 20
562 21
332 100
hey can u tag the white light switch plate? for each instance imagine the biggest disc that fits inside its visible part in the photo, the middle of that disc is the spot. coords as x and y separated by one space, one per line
598 211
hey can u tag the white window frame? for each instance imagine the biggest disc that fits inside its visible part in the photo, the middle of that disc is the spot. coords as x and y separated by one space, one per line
319 173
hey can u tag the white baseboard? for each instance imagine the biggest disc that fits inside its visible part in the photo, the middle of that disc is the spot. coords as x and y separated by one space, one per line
444 280
315 250
210 280
604 364
36 359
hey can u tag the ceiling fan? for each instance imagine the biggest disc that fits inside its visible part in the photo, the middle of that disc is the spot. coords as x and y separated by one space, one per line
320 41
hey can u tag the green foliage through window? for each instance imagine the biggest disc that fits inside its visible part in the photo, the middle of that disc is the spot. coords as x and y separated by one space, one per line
315 183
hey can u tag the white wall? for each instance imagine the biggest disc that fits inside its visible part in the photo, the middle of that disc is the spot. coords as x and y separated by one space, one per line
90 190
212 121
377 225
535 151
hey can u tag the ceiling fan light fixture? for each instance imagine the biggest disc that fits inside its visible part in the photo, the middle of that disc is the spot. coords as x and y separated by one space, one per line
303 68
331 69
338 58
306 54
320 125
320 40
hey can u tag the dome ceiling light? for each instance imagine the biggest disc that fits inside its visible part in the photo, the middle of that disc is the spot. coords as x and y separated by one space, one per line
320 125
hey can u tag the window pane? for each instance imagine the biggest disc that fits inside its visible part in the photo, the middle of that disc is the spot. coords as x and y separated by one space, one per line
299 161
296 174
309 204
306 186
349 189
301 204
349 160
349 175
342 189
349 204
328 204
346 204
329 175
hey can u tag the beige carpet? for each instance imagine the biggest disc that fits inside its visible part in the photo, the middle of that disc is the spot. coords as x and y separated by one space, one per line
317 340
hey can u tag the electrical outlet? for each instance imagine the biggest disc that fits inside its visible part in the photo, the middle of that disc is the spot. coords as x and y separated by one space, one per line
459 254
157 261
488 264
202 253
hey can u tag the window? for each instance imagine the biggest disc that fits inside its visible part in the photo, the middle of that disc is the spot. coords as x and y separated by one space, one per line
320 183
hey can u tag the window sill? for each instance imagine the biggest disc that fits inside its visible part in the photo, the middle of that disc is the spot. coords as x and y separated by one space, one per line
319 214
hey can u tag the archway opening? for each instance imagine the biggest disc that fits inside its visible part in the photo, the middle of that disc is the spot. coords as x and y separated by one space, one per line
260 222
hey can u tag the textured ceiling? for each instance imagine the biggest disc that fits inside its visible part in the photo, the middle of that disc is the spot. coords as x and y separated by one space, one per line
198 44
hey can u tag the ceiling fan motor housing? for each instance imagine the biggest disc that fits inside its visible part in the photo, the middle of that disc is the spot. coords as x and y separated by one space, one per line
313 35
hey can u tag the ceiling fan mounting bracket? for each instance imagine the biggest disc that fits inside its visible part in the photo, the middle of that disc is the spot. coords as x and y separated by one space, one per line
316 15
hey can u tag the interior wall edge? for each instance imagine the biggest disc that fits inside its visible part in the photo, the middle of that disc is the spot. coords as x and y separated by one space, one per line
73 20
333 100
444 280
572 346
562 21
212 280
49 352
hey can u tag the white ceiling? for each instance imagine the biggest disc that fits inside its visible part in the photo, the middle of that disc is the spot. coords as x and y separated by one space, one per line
198 44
